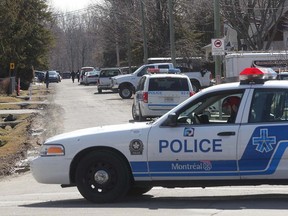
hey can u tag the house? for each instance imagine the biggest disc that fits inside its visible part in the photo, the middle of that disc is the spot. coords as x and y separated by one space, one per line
232 43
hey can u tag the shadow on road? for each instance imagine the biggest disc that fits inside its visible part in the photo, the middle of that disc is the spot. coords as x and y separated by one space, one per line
236 202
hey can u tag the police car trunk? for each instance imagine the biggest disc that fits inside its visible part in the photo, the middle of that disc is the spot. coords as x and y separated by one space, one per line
164 93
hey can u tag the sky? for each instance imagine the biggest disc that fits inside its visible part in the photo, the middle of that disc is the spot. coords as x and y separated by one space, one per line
70 5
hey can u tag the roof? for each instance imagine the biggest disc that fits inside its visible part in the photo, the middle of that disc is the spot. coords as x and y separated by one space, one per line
112 68
270 84
160 75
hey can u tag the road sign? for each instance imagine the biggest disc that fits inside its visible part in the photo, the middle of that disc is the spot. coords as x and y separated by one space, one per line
12 66
218 47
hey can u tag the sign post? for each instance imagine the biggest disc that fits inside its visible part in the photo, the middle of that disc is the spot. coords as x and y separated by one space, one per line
218 50
218 47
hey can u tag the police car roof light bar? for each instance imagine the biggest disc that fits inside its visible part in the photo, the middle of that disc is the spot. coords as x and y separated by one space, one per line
153 70
174 71
163 70
256 75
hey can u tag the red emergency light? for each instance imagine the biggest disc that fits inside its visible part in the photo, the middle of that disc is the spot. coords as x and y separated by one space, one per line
163 70
257 75
153 70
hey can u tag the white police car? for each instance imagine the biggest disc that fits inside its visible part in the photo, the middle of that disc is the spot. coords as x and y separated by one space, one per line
198 143
156 94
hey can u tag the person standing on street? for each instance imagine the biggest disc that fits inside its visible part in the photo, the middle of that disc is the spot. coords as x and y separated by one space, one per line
47 79
78 75
73 75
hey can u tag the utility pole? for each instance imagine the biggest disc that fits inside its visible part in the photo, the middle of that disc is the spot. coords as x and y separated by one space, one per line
144 33
172 35
217 35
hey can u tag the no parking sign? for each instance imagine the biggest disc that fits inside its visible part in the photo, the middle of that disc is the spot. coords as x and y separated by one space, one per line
218 47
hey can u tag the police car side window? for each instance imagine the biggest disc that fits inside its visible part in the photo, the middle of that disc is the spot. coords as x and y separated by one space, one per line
144 71
269 106
141 83
210 110
163 66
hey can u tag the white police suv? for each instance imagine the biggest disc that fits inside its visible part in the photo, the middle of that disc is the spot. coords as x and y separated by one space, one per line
156 94
228 134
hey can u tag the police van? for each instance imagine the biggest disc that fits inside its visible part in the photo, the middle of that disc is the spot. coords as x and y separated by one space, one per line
157 93
228 134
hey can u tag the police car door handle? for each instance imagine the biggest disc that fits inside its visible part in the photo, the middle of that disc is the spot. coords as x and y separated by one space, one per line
228 133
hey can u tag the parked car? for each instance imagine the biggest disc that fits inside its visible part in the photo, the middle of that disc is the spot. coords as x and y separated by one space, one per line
105 81
83 71
66 75
39 76
189 146
126 84
59 76
158 93
54 76
91 77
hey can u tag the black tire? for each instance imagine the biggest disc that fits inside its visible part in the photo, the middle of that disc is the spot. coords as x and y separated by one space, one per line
138 191
125 92
134 115
141 118
99 91
102 176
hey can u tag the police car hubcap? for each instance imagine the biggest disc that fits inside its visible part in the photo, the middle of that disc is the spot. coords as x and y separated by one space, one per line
101 177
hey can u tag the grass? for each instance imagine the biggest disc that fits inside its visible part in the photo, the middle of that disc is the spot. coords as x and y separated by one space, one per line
15 140
13 137
13 145
17 106
9 99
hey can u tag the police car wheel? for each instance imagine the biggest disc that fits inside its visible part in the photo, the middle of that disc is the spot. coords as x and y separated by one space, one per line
125 92
137 190
102 176
134 114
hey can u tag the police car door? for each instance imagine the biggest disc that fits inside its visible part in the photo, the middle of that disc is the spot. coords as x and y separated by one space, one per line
263 139
201 146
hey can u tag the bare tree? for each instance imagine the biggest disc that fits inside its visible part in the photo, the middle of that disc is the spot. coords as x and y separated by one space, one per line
77 42
194 26
255 21
110 33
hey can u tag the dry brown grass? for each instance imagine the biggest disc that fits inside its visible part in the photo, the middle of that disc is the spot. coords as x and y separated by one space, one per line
4 106
9 99
15 145
16 140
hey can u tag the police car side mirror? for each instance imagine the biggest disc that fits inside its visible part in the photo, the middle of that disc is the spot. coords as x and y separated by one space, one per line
171 120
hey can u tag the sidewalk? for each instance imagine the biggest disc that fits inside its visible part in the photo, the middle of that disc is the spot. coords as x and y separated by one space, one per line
23 105
20 111
26 102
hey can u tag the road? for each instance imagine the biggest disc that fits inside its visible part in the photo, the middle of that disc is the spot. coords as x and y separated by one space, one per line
22 195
